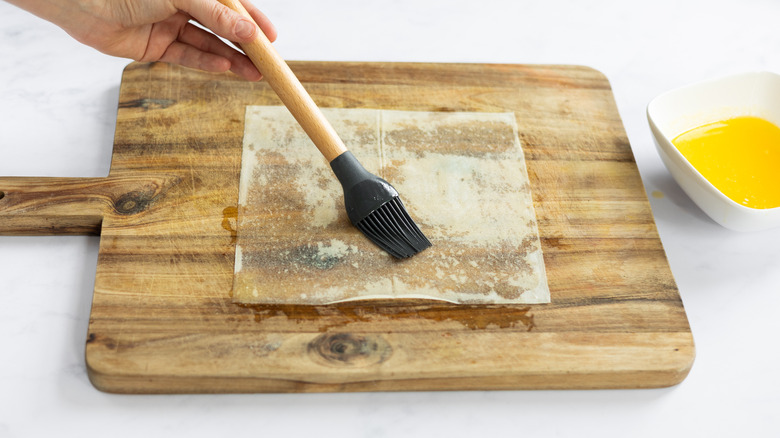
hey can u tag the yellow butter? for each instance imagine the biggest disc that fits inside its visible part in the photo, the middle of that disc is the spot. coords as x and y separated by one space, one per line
739 156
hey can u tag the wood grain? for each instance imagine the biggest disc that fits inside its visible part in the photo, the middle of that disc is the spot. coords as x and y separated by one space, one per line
163 319
74 205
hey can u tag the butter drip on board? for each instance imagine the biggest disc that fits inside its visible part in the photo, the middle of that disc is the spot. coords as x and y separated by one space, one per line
462 177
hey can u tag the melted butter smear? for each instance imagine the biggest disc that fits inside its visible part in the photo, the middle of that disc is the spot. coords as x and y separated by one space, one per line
739 156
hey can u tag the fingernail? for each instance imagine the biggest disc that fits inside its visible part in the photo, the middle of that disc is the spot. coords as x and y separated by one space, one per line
245 29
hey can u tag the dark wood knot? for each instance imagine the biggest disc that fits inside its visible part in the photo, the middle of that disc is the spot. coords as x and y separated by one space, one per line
147 103
133 202
346 349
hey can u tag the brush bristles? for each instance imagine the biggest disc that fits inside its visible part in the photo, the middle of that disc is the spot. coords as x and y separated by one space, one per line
392 229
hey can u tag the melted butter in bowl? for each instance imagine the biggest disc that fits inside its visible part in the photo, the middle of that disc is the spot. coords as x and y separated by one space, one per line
720 141
739 156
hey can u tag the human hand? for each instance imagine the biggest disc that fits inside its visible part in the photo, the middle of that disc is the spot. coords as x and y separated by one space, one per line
160 30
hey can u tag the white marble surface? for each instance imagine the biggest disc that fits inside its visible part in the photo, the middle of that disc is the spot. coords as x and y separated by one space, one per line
57 112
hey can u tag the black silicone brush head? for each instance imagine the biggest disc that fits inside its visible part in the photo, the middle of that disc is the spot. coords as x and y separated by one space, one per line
374 207
391 228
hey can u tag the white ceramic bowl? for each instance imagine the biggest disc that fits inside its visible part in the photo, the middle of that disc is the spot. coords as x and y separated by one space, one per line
674 112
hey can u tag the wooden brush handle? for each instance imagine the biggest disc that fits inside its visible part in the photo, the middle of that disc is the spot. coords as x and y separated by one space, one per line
283 81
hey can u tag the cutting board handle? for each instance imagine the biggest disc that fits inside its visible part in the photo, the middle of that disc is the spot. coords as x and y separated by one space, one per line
289 89
50 205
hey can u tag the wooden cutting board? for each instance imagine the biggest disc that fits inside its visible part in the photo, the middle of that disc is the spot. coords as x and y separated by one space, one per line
163 319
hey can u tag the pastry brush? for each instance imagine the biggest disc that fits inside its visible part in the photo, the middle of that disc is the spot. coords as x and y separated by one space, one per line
373 205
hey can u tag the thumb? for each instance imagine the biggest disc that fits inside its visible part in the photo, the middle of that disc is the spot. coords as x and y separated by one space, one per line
219 18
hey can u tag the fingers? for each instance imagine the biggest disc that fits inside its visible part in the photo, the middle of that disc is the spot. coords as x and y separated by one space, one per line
219 18
189 56
199 49
207 42
265 24
225 22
